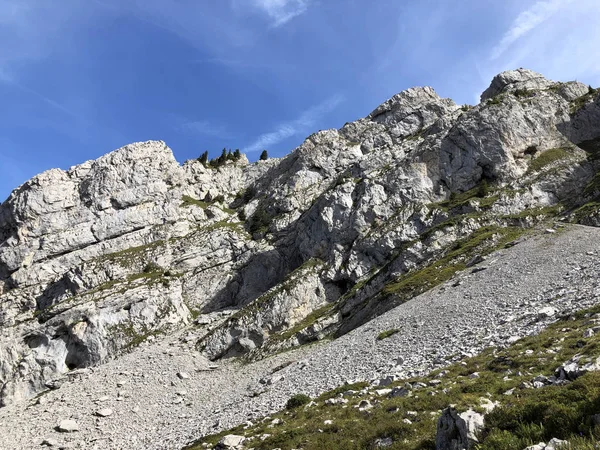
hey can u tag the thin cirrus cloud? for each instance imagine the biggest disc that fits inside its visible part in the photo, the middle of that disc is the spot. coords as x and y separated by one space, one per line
303 124
525 22
282 11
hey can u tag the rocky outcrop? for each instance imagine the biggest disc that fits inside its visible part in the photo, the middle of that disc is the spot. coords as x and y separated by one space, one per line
451 431
512 80
96 259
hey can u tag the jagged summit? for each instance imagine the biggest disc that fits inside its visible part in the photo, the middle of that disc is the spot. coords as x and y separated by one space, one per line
249 260
512 80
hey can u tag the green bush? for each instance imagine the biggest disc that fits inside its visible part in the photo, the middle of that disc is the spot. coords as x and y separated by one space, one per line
548 157
260 220
152 267
523 93
484 189
297 400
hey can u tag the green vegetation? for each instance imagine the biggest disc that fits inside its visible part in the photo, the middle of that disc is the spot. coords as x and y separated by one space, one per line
132 256
204 159
215 163
386 334
260 221
132 337
593 187
309 320
189 201
264 155
483 241
523 93
495 100
456 200
223 224
524 418
297 401
548 157
587 210
580 102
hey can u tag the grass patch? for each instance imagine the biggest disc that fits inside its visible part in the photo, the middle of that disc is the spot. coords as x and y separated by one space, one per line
224 224
297 401
483 241
524 418
456 200
580 102
386 334
547 158
523 93
585 211
186 201
495 100
309 320
129 257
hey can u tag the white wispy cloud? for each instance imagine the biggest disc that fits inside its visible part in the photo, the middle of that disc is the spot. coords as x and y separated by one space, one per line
526 21
282 11
553 37
205 128
303 124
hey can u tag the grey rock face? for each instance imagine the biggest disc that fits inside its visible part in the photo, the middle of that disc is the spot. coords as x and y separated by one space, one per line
515 79
451 431
107 255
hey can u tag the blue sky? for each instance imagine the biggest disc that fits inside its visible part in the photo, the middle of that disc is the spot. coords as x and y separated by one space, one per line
79 78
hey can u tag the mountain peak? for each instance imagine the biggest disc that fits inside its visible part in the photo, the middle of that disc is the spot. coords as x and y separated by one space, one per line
511 80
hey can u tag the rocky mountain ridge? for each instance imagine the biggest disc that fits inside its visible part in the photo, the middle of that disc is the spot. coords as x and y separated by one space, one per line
257 258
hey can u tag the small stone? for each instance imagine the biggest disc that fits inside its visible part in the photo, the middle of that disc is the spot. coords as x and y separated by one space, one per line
399 392
50 442
103 399
548 311
364 405
540 446
474 375
232 441
385 381
328 422
105 412
183 375
556 444
384 442
526 385
68 426
588 333
382 392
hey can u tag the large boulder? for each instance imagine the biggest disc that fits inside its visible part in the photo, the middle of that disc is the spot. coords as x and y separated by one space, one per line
452 433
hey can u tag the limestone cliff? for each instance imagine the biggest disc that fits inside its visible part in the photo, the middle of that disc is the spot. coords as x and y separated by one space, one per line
96 259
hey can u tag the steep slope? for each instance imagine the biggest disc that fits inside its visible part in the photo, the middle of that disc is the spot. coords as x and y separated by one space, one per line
102 257
523 289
